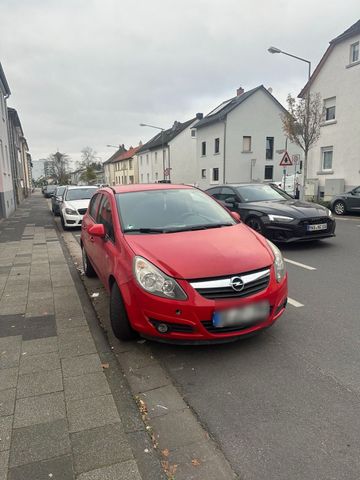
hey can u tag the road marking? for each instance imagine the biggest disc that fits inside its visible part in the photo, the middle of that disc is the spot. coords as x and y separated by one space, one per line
298 264
294 303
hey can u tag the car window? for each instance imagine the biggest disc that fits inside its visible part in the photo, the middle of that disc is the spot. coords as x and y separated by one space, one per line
94 204
104 216
225 193
80 193
214 192
59 191
261 193
356 191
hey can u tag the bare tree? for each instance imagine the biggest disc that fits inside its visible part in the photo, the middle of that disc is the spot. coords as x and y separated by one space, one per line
301 124
59 167
90 164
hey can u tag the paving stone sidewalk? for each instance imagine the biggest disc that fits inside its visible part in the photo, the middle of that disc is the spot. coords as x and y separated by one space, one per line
58 416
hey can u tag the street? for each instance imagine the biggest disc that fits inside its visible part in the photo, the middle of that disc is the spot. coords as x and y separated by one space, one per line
285 404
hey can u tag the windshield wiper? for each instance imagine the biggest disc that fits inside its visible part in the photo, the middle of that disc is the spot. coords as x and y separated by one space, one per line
201 227
144 230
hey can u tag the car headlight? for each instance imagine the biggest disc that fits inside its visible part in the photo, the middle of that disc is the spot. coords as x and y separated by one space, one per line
154 281
280 218
279 264
70 211
329 212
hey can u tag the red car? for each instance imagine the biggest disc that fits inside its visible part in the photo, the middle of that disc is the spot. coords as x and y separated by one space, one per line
179 267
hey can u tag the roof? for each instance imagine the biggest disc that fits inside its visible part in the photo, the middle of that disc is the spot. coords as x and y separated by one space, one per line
142 187
126 155
350 32
113 157
14 117
220 112
4 81
164 137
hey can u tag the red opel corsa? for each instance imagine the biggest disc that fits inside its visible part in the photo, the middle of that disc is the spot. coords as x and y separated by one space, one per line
179 267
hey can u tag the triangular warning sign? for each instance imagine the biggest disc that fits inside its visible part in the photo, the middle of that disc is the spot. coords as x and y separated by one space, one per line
286 160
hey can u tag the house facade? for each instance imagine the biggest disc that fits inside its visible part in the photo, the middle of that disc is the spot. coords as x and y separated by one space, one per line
170 155
335 159
109 171
125 167
7 198
242 140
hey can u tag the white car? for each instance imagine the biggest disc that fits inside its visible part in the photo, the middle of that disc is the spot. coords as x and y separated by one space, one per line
74 204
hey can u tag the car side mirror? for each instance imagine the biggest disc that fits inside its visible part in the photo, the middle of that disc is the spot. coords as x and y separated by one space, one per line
97 230
230 202
235 216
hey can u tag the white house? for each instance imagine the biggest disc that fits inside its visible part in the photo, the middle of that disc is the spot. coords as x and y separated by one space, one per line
335 159
7 199
170 155
242 140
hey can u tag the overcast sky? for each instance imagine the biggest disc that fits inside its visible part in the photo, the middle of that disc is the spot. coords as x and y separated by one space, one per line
87 72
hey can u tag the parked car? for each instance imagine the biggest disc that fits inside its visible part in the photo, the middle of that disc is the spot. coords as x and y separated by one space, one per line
275 214
49 191
75 201
346 202
56 199
179 267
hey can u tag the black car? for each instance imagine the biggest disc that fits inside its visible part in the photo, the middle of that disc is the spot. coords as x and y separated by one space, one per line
49 191
346 202
275 214
56 199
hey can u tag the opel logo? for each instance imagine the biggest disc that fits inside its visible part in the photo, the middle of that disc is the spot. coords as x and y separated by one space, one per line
237 284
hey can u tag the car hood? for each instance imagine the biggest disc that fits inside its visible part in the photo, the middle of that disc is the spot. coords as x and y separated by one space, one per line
292 208
204 253
76 204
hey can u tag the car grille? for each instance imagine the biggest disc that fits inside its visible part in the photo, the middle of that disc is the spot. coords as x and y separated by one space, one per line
234 328
221 288
82 211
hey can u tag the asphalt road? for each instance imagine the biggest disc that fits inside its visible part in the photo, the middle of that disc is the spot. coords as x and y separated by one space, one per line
286 405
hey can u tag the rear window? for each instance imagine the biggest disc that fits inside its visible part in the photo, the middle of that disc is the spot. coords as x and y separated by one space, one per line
80 193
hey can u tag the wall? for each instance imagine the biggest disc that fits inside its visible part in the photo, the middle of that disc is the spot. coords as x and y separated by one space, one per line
336 80
210 160
7 200
183 158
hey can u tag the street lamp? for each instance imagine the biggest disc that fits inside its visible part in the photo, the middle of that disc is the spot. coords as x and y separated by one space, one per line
277 50
162 143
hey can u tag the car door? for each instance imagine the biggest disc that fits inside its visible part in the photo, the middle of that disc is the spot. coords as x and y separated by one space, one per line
353 200
105 248
229 198
89 220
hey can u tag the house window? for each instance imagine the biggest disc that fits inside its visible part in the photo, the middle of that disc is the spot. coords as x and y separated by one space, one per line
142 178
327 158
329 106
246 144
193 132
203 173
217 145
148 177
269 171
203 149
269 148
156 176
140 160
155 157
215 174
354 52
130 164
131 178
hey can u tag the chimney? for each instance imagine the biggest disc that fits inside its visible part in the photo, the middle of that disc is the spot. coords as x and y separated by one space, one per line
199 116
239 91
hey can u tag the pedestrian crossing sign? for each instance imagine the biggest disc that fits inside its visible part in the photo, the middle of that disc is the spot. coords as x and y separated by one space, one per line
286 160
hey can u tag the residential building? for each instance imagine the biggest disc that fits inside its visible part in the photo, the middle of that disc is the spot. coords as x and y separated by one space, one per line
109 172
125 167
242 140
335 159
170 155
19 157
7 199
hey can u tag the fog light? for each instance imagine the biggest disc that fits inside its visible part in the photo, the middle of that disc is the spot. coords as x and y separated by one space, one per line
162 328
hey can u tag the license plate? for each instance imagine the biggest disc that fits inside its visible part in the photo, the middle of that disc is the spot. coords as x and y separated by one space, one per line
319 226
241 316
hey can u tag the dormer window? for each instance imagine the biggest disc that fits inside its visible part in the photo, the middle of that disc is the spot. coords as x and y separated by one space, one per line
354 52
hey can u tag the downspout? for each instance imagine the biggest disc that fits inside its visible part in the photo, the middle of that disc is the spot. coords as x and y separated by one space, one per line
169 162
224 163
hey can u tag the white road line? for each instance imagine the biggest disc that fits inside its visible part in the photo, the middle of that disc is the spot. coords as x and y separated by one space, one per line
298 264
294 303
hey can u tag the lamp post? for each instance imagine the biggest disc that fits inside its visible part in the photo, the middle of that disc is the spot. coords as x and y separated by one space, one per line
277 50
162 142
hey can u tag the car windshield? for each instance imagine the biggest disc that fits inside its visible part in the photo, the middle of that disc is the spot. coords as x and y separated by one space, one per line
172 210
51 188
80 193
59 191
261 193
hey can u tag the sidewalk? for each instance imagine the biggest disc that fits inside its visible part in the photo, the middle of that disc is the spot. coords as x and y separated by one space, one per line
62 398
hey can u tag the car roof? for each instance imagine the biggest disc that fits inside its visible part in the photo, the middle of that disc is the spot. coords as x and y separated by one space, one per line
143 187
239 185
73 187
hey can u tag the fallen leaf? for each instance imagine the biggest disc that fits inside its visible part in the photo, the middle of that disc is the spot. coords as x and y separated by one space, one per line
105 365
195 462
165 452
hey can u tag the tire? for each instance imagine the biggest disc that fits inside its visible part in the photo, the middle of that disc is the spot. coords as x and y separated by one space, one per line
87 266
63 224
118 317
339 207
256 224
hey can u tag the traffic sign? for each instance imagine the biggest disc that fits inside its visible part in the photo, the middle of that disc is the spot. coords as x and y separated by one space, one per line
295 159
286 160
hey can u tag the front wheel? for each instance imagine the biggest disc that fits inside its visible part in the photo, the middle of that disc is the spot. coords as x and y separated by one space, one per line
339 207
118 317
256 224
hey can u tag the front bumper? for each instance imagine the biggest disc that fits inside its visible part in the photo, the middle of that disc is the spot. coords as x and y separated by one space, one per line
190 321
72 220
297 230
